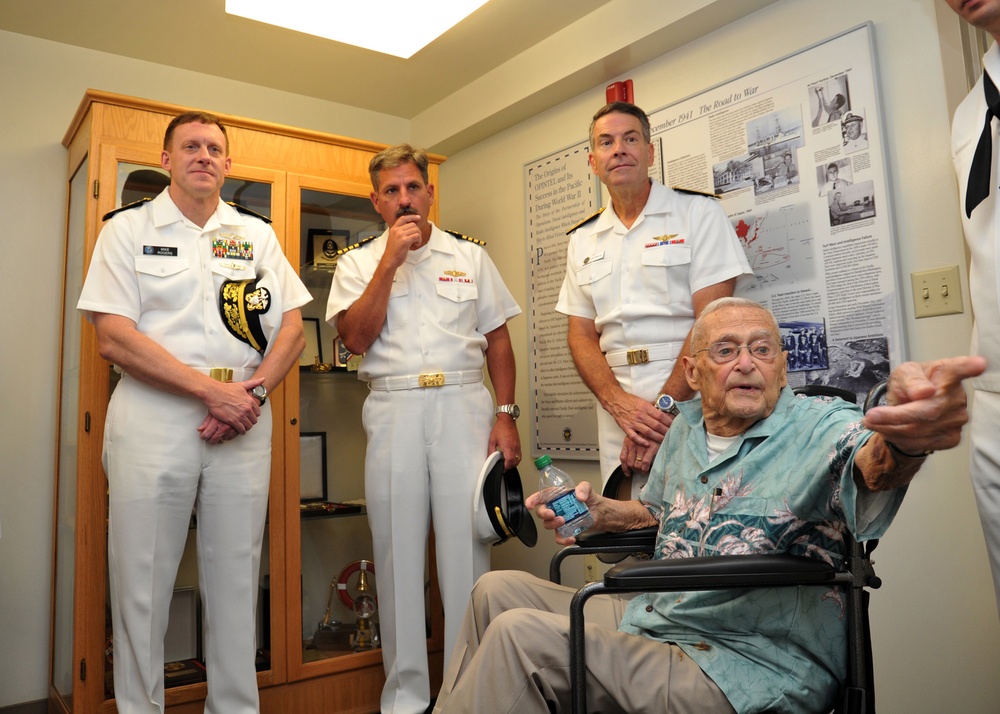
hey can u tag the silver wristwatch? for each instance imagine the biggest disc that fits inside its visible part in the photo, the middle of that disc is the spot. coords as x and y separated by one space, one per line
512 409
260 391
667 404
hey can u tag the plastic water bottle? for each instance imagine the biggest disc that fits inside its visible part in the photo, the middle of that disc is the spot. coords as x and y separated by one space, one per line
556 488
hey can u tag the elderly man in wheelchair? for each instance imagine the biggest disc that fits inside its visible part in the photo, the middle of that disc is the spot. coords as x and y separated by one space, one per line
747 468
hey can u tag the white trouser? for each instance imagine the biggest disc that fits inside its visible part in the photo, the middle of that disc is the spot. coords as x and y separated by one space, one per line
642 380
425 450
985 467
158 469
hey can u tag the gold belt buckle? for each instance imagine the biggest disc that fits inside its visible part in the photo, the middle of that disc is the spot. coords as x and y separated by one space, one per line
432 380
640 356
221 374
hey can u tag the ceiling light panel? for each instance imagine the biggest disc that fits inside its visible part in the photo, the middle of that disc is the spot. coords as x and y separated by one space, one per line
393 27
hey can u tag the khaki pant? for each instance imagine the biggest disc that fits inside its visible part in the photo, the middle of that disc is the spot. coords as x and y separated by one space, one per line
512 656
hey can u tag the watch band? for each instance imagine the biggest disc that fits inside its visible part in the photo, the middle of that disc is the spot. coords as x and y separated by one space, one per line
512 409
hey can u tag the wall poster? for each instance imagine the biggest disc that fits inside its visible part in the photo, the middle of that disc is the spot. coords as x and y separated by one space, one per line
560 191
795 150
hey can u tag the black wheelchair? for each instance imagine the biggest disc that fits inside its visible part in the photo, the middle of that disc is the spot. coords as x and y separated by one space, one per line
856 576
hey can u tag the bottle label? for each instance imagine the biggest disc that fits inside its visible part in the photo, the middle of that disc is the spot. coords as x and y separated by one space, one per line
568 506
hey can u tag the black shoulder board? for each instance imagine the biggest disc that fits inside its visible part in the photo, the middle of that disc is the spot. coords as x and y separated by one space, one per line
248 212
586 220
465 237
693 192
360 243
134 204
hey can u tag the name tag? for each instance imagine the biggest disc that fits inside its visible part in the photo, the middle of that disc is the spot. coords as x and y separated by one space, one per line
159 250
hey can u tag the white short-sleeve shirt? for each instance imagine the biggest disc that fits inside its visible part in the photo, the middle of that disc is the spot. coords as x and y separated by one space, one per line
445 298
160 270
637 284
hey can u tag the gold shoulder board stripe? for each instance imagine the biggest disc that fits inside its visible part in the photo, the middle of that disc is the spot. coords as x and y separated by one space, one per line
586 220
694 192
248 212
460 236
127 206
360 243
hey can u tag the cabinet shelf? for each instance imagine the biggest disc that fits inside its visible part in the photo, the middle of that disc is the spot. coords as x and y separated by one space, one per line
331 510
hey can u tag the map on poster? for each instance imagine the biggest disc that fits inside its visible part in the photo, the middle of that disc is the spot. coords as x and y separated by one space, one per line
795 151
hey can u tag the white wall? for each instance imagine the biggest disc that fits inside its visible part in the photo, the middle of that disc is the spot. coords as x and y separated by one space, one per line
936 642
936 630
41 84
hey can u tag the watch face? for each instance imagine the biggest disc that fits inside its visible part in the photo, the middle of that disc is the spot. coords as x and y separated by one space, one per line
665 403
515 411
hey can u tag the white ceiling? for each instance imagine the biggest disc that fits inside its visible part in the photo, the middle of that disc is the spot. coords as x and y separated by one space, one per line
576 45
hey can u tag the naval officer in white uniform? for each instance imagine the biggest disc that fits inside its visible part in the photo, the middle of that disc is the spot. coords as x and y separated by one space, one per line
638 273
189 425
427 308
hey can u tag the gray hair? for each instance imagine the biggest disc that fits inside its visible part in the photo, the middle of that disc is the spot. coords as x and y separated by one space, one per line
698 335
622 108
395 156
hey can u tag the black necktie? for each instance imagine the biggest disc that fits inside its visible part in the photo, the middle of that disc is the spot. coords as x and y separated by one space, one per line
982 161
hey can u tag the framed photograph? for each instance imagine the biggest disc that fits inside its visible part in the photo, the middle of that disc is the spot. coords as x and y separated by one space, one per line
312 466
324 244
314 347
340 354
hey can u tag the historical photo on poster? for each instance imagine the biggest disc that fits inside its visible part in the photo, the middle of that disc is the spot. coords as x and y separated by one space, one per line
793 151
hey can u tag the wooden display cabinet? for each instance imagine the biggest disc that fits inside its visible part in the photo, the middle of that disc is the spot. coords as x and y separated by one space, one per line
313 186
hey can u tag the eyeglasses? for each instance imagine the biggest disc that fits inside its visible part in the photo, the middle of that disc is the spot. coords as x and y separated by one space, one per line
723 352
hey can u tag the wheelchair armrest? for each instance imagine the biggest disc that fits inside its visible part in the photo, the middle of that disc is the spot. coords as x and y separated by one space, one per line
641 539
718 572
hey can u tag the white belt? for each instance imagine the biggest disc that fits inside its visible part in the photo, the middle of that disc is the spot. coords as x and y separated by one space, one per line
226 374
422 381
641 355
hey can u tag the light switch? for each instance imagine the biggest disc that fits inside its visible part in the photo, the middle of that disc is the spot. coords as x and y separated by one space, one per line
936 292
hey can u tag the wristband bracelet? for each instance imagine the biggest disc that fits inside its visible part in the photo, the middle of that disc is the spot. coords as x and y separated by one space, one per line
896 451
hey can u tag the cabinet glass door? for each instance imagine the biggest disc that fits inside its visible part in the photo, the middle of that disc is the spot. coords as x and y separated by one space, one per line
69 412
333 541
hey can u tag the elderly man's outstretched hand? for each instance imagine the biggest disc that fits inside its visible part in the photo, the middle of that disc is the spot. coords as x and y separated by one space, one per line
926 404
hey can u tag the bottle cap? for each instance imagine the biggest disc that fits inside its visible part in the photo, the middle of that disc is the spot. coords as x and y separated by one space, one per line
542 461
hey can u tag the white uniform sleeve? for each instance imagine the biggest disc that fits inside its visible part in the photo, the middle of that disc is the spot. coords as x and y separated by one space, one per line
718 254
494 304
572 300
349 283
111 285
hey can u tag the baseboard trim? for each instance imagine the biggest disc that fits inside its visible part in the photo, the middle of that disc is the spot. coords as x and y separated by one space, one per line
39 707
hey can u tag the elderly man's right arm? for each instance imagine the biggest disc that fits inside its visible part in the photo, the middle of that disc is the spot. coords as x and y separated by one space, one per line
610 515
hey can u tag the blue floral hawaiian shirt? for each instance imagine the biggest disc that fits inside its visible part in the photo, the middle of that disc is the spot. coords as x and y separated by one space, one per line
785 486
